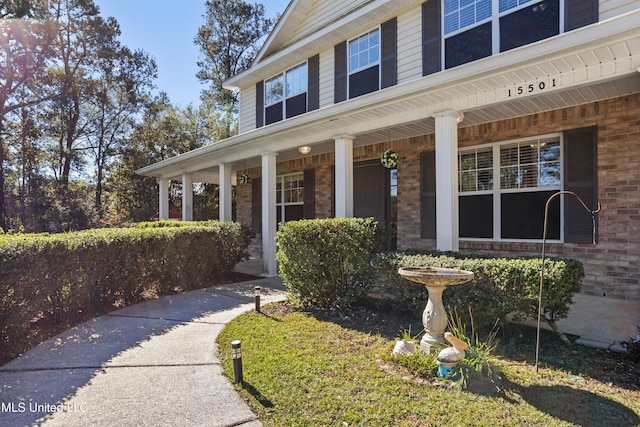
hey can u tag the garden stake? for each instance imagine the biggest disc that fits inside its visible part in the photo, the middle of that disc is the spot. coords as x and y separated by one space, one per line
544 241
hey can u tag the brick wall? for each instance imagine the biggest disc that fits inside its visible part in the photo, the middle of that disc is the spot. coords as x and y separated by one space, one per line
612 266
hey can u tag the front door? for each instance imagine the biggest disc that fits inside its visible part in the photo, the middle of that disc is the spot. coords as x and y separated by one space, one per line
372 196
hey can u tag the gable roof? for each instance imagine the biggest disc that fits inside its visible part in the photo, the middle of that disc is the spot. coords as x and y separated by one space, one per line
308 26
303 18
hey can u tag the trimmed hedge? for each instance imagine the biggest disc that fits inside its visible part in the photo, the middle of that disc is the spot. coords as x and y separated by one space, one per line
71 277
500 285
325 262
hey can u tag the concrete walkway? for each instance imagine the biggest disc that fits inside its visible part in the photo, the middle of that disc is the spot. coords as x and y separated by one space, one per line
151 364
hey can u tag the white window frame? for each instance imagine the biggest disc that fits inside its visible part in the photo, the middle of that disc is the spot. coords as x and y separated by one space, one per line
469 26
351 71
304 78
282 204
267 101
497 191
283 95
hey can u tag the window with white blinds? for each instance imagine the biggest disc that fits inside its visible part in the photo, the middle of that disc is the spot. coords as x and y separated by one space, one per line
503 188
364 51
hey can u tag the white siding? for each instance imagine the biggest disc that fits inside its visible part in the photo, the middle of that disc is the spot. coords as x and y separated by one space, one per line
247 115
326 77
322 12
611 8
410 45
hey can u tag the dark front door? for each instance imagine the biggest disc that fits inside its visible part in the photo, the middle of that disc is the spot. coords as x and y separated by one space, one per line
374 195
370 191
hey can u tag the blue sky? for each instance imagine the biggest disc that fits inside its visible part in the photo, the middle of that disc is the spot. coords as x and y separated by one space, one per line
165 29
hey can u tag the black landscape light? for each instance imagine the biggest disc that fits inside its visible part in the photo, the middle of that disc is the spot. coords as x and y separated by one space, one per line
237 362
257 294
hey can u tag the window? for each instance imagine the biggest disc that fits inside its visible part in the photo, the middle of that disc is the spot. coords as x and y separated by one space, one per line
455 32
285 95
476 170
530 24
296 80
475 182
367 63
510 4
364 51
290 197
364 64
459 14
474 29
503 189
273 90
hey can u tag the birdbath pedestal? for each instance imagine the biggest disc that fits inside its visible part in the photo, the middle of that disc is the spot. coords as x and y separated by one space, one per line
434 316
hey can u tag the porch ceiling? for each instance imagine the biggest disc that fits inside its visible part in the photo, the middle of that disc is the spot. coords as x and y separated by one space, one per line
578 71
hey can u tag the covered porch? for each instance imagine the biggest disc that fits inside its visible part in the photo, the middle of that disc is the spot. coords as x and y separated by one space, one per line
519 83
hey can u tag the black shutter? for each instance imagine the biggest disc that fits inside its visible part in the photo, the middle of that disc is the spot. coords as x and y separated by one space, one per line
256 205
260 104
340 73
428 195
309 194
431 43
580 156
389 53
313 100
579 13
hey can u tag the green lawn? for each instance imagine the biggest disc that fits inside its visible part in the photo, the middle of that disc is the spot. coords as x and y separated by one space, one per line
334 369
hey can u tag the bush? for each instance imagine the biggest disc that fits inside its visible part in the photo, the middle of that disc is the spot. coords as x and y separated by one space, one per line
500 285
71 277
325 262
632 345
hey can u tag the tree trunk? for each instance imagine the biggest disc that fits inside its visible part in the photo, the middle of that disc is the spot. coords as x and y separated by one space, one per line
3 223
557 330
3 211
68 150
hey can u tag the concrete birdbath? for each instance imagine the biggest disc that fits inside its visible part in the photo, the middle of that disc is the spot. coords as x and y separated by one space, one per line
434 316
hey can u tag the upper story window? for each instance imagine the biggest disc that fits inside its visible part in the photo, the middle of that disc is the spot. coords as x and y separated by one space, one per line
296 79
459 14
285 95
364 51
366 63
510 4
475 29
273 90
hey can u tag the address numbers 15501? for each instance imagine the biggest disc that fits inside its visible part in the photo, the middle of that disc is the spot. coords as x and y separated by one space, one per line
531 88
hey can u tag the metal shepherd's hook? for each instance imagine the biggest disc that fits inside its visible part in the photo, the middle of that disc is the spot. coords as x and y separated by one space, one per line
544 240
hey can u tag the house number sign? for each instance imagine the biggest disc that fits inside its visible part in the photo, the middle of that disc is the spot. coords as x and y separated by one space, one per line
537 86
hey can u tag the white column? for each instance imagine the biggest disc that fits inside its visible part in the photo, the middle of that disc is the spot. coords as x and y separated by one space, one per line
224 191
187 197
447 181
163 187
269 214
344 176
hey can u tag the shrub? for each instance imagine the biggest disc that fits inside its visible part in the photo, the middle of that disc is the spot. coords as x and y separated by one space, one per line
325 262
500 285
632 345
70 277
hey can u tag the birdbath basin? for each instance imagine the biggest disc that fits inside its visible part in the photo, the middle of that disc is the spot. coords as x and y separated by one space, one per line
434 316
